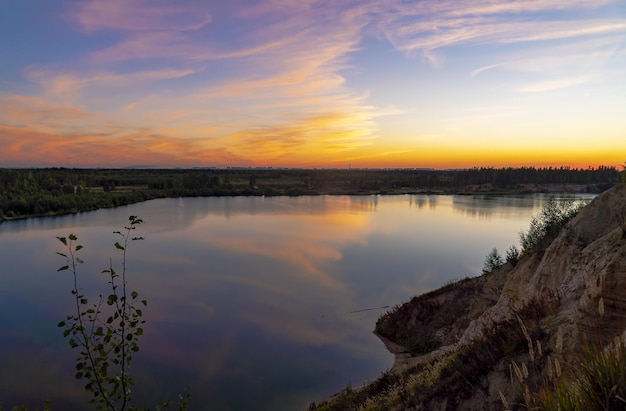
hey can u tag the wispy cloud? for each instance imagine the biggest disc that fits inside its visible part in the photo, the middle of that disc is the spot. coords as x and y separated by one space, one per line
285 100
68 135
113 147
69 85
429 27
556 84
567 65
140 15
36 113
329 135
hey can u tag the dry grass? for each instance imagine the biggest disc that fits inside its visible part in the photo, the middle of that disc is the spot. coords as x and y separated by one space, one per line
598 382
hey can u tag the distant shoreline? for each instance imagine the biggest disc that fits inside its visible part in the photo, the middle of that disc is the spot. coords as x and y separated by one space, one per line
30 193
555 189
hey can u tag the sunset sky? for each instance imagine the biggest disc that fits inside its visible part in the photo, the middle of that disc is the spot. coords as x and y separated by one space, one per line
312 83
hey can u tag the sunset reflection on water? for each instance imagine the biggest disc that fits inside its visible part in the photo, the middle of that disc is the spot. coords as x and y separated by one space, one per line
252 300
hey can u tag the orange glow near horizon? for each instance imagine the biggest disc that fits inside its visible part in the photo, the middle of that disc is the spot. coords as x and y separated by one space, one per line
45 149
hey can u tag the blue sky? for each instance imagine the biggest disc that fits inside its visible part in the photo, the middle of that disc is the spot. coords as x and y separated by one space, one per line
366 83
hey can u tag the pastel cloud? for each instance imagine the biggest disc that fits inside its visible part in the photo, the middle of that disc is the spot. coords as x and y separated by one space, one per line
140 15
69 85
117 148
40 114
563 66
555 84
429 26
330 135
68 135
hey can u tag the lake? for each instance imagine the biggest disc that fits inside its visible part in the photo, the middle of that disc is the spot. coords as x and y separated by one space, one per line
256 303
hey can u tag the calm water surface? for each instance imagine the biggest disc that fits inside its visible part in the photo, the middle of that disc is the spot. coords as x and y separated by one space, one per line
252 300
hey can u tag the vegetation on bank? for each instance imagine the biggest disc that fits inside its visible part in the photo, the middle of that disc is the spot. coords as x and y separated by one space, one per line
598 382
51 191
543 229
446 378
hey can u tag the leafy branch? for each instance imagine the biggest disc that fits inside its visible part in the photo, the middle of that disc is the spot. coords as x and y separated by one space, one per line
106 332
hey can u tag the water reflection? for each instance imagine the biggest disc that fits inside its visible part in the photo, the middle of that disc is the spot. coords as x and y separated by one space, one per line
251 298
486 206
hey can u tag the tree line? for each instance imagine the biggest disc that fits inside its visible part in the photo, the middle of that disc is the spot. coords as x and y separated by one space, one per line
49 191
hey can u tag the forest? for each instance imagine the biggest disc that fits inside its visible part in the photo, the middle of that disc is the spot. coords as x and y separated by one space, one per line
53 191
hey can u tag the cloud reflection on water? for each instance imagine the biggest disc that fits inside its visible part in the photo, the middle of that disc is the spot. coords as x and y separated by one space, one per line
255 293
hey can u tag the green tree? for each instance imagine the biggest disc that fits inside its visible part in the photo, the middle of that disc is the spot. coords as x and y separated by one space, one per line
512 255
493 261
554 215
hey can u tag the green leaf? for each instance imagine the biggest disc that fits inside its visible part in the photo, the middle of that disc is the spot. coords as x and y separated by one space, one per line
84 301
78 247
129 337
118 246
139 331
65 267
61 324
72 237
66 333
134 294
73 343
78 375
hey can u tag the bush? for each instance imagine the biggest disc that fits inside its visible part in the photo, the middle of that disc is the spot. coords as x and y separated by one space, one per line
554 215
493 261
512 255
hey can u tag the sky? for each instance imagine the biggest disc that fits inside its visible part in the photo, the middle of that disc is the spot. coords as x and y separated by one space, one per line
312 83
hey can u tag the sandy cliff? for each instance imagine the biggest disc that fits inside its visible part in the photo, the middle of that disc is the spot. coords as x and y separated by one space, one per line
458 347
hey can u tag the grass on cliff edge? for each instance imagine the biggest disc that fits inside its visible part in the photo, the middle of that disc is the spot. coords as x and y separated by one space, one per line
598 382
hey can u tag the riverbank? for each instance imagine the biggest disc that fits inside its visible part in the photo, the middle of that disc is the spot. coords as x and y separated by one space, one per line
47 192
131 196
